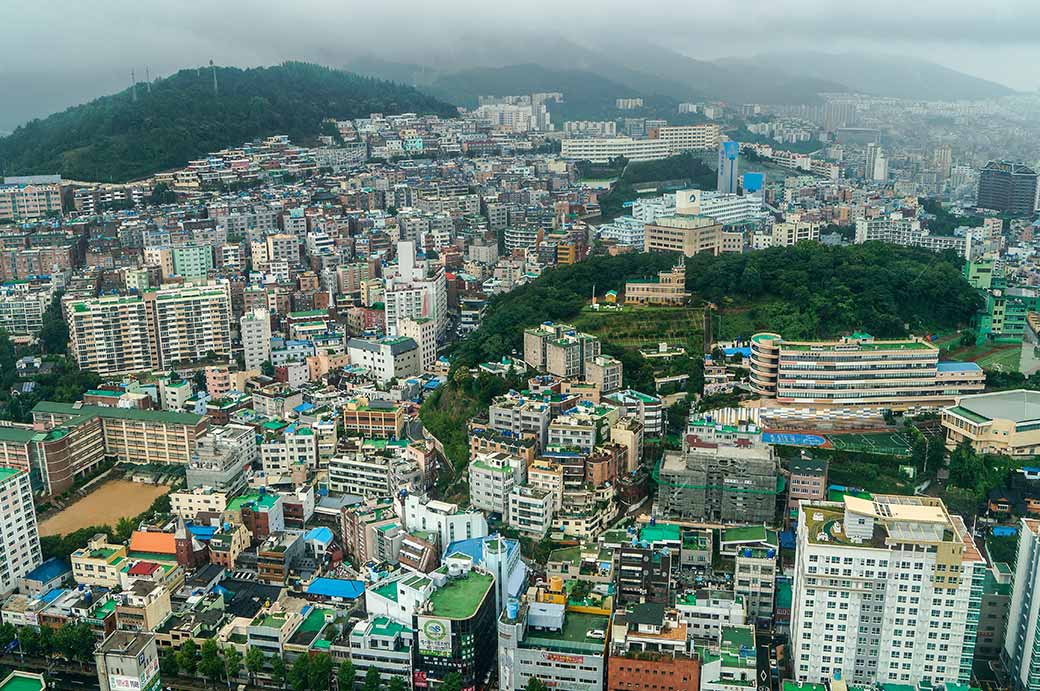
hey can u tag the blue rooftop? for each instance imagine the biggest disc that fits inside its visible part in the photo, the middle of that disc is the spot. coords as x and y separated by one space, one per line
49 570
744 352
202 532
319 534
950 366
336 587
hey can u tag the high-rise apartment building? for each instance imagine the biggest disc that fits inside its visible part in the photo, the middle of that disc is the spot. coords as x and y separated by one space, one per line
886 590
190 323
1021 643
559 349
19 537
114 335
1008 187
255 331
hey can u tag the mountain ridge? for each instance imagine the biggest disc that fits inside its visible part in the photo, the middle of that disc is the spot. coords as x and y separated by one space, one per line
126 136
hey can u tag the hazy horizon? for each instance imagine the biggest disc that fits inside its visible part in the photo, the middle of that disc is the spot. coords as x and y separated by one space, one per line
111 37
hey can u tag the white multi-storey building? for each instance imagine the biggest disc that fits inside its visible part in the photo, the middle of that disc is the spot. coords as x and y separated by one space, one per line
602 150
492 477
1021 643
723 208
255 332
689 137
19 537
886 591
417 292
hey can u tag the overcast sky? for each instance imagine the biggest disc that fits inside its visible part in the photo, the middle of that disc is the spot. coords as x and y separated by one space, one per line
57 53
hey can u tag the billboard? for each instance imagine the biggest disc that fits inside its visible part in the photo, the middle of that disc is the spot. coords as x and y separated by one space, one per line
434 636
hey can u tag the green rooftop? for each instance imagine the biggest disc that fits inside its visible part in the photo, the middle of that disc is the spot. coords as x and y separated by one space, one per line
574 635
263 501
660 532
751 533
461 598
137 414
22 681
18 435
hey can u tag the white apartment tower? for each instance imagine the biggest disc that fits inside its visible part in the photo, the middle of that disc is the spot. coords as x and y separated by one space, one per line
1021 642
255 331
886 590
19 537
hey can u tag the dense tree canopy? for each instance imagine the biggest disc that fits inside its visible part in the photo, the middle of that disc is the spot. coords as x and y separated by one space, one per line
688 168
118 138
812 290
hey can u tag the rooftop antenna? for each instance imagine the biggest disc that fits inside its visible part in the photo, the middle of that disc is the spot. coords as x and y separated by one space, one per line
133 86
214 69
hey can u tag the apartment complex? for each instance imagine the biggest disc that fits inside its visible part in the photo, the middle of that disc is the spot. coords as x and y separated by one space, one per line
858 370
121 334
792 232
1021 644
886 590
690 235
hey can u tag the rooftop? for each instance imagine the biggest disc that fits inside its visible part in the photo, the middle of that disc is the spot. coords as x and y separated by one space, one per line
573 636
460 598
1018 406
157 416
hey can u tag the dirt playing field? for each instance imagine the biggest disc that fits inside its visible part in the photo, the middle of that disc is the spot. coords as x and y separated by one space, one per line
108 503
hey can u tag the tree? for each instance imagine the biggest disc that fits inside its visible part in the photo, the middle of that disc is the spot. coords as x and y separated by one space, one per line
211 665
8 633
168 662
452 682
320 673
535 684
187 658
232 663
346 675
266 368
278 672
75 642
254 663
299 674
54 334
125 527
373 681
397 683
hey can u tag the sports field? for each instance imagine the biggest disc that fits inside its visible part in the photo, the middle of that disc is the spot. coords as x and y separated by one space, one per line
883 443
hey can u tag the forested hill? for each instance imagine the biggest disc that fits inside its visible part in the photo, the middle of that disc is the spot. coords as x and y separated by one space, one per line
116 138
815 291
806 291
